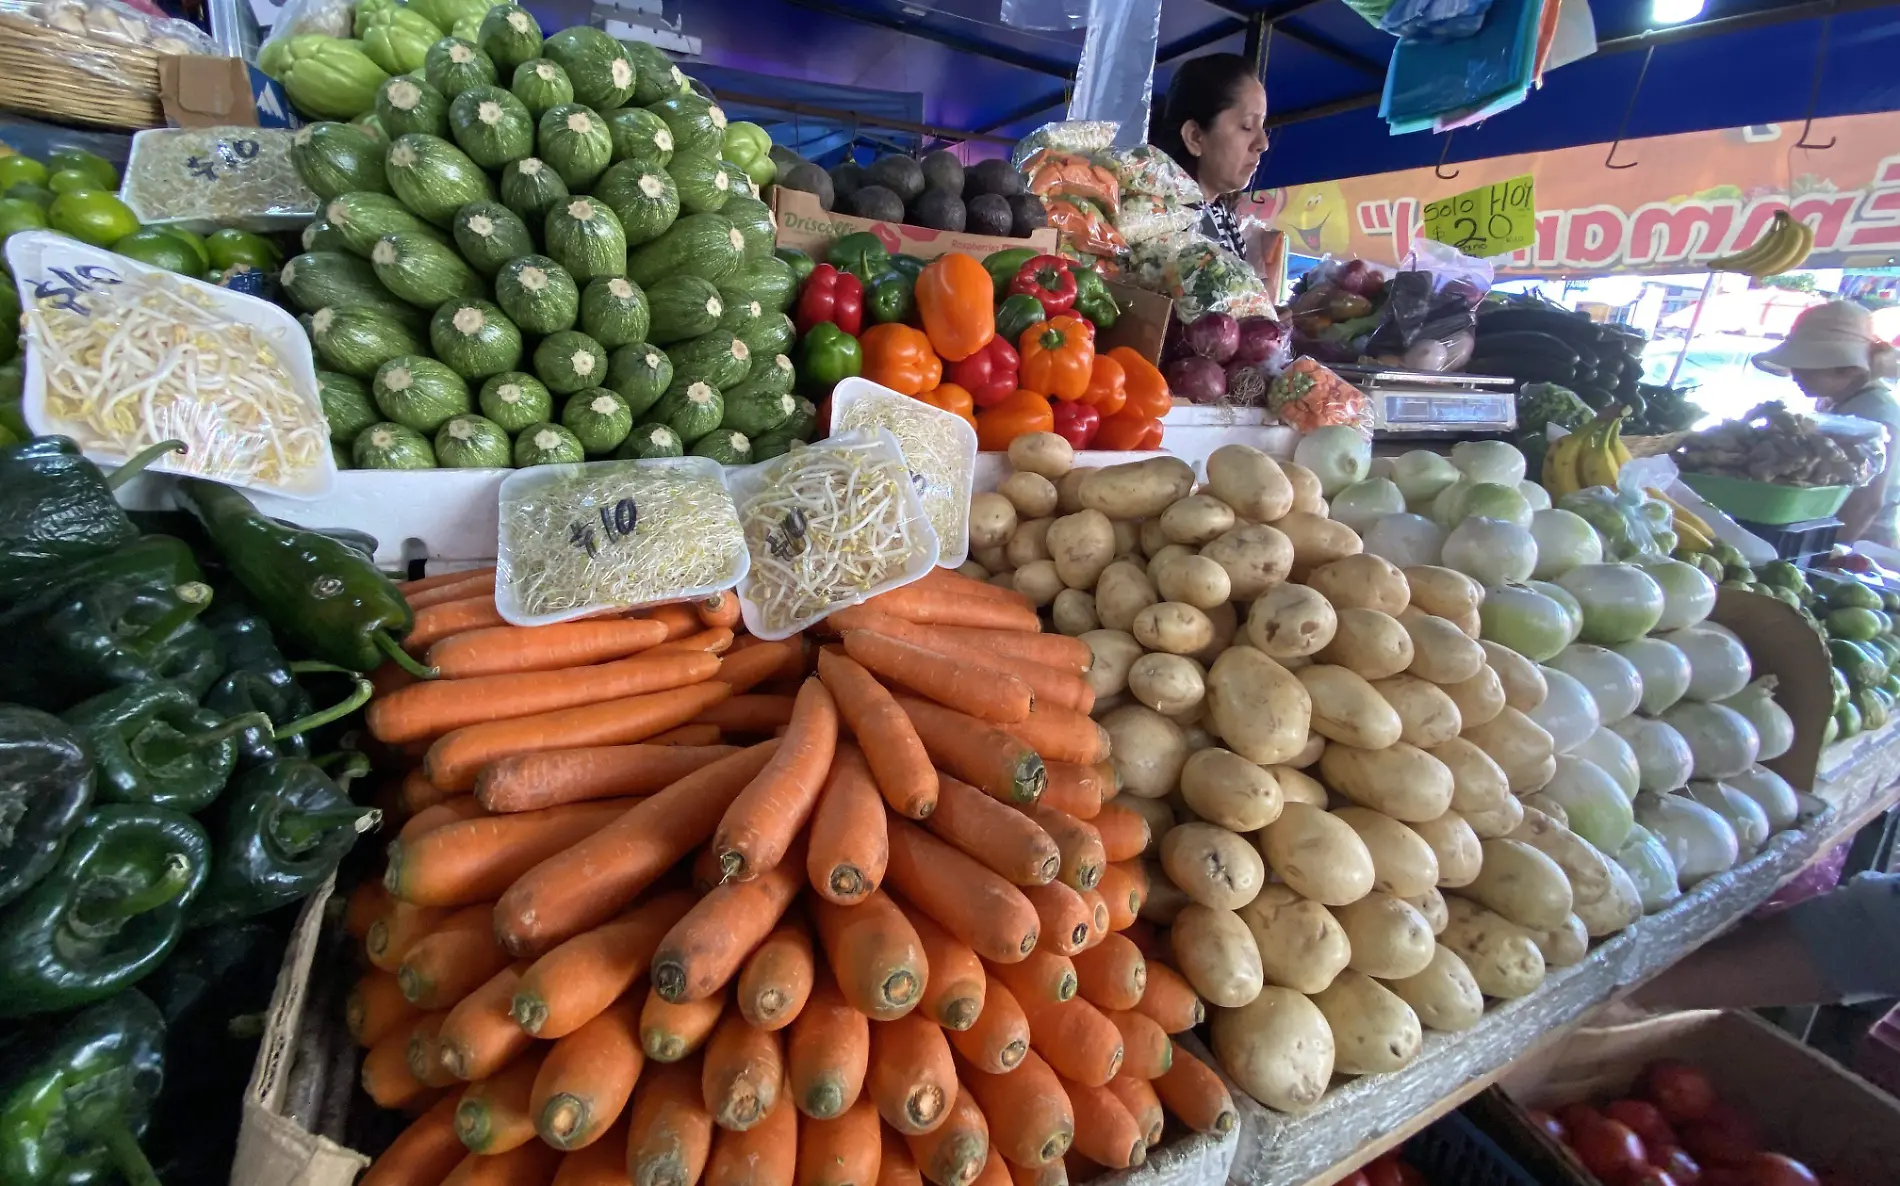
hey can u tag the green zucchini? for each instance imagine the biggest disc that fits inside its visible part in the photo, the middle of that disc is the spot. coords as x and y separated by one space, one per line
469 441
586 238
725 446
682 307
599 419
691 408
453 65
433 178
703 245
509 35
641 373
614 311
603 77
650 440
391 446
474 338
531 188
347 407
361 217
421 270
703 184
491 126
569 361
541 84
334 159
405 104
715 356
640 135
538 294
642 196
419 392
358 340
574 141
515 399
488 235
547 444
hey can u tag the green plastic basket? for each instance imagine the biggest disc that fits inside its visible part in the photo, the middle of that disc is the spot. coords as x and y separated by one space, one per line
1765 502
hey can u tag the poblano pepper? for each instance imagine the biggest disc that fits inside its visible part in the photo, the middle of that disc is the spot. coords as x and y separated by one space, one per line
107 914
152 745
862 254
45 787
257 678
1017 313
323 595
73 1105
282 829
57 508
892 298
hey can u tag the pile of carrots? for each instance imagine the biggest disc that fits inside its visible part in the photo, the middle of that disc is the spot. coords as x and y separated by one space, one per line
673 906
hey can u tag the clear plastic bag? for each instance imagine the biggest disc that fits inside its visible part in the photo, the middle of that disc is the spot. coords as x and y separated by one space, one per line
1200 275
1114 81
109 22
1144 217
332 18
938 446
1145 169
204 179
1074 175
1434 20
1083 136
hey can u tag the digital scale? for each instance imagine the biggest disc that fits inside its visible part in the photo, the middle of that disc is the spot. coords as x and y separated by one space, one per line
1423 403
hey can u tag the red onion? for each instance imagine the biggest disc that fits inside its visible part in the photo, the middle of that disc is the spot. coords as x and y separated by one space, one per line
1259 338
1213 335
1199 379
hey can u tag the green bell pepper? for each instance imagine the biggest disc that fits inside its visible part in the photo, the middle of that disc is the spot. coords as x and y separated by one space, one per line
57 508
73 1108
45 787
1017 313
109 912
1003 266
892 298
909 265
827 356
285 826
800 263
153 746
320 593
862 254
1093 300
749 146
329 77
397 39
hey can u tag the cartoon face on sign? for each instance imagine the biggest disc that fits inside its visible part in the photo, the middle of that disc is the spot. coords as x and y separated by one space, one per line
1315 219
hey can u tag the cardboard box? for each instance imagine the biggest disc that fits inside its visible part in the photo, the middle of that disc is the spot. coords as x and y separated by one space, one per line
1782 644
201 92
1143 325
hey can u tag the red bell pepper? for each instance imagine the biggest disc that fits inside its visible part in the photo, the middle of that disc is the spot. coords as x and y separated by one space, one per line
1050 280
1076 423
831 295
989 375
1129 431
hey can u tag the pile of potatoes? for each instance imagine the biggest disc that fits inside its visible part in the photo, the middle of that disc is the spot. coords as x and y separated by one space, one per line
1333 768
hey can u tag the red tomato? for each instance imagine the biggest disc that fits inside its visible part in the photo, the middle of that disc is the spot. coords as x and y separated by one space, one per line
1644 1119
1721 1137
1552 1126
1646 1175
1390 1171
1773 1169
1608 1149
1577 1117
1682 1167
1682 1092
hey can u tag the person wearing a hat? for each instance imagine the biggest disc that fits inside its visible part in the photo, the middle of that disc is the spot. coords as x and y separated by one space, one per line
1836 359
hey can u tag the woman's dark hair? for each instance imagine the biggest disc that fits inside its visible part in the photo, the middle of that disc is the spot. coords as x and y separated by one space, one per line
1203 87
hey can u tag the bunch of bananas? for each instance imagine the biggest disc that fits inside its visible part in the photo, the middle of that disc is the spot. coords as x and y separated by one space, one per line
1783 247
1693 533
1591 456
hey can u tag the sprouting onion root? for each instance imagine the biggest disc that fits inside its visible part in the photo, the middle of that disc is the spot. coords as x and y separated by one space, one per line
939 457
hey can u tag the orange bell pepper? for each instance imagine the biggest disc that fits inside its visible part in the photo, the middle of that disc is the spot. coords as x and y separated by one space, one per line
1001 423
1147 389
952 399
1128 432
1058 355
1108 385
957 300
900 358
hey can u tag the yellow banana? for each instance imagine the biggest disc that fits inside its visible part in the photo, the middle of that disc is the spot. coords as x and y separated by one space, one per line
1683 513
1750 258
1560 464
1620 450
1688 539
1800 243
1596 464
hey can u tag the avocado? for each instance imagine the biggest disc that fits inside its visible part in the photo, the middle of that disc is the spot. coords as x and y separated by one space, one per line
847 178
899 174
812 180
938 209
992 177
876 202
785 158
942 170
988 215
1026 214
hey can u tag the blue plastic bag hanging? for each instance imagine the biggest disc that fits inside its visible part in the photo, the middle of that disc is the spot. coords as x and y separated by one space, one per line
1115 81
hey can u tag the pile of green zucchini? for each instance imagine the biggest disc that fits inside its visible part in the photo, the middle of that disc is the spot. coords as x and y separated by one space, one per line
1533 342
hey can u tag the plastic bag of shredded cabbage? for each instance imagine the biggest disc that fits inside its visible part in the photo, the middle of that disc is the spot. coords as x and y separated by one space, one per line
204 179
1145 169
1082 136
939 447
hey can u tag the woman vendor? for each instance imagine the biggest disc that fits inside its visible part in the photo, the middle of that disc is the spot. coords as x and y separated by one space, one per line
1213 123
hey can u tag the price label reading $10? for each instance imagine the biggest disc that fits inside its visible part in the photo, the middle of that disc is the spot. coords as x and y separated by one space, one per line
1491 220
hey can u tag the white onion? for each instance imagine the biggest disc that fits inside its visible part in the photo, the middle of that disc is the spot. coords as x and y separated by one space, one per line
1493 500
1742 813
1489 461
1596 807
1536 495
1568 713
1564 541
1491 551
1362 504
1718 663
1607 751
1521 619
1700 842
1688 593
1613 680
1422 475
1620 601
1722 740
1663 668
1663 759
1381 467
1771 721
1337 455
1646 859
1406 539
1777 799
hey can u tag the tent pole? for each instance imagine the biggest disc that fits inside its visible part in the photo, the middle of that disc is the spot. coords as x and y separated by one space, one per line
1695 319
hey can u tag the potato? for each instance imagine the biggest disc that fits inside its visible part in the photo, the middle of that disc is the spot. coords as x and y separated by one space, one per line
1195 580
1318 854
1226 622
1004 580
1042 453
1250 482
1302 946
973 570
1163 556
1224 788
1401 780
1500 821
1033 495
1519 746
1082 545
1289 621
1502 956
1307 495
1029 543
1039 581
1440 651
1174 627
1153 539
1565 945
1196 520
1217 954
1197 738
992 520
1431 904
1111 654
1278 1049
1257 557
1347 709
1137 489
1212 865
1388 937
1402 863
1445 996
1258 707
1164 900
1370 643
1158 814
1362 582
1479 699
1297 786
1427 716
1455 846
1445 592
1373 1029
1127 539
1586 869
1315 744
1122 591
1620 905
1069 490
1317 541
1148 750
1524 687
1521 884
994 557
1073 613
1169 684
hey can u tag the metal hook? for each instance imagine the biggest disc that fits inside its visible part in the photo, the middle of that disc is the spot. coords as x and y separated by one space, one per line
1814 92
1609 160
1438 170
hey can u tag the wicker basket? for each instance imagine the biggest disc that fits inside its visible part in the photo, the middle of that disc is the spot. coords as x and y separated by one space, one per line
66 78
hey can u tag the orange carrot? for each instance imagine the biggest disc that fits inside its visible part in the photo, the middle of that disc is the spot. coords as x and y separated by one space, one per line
388 678
457 757
1142 1104
375 1006
749 714
367 903
742 1073
678 618
757 829
669 1131
1060 687
419 794
588 883
410 588
718 609
995 1171
875 954
968 900
952 1154
690 735
850 846
954 582
765 1154
912 1078
1061 735
1077 1040
953 992
1065 920
1170 1001
670 1032
746 668
443 618
1124 886
493 1116
777 978
479 1036
895 1165
570 985
1147 1052
939 607
1148 939
1041 977
1098 916
454 960
387 1077
531 1164
425 1061
603 1163
891 746
1002 838
827 1052
1104 1131
1081 845
998 1040
980 754
425 1152
702 952
982 692
1112 974
1030 1119
433 707
1052 650
476 859
533 781
842 1151
391 936
1056 1173
459 586
586 1079
1078 790
715 641
504 650
453 809
1195 1094
1124 832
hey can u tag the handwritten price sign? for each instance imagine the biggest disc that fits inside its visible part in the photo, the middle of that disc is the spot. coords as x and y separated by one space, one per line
1490 220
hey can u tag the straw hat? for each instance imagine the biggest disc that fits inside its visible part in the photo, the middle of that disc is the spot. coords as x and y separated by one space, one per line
1837 334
